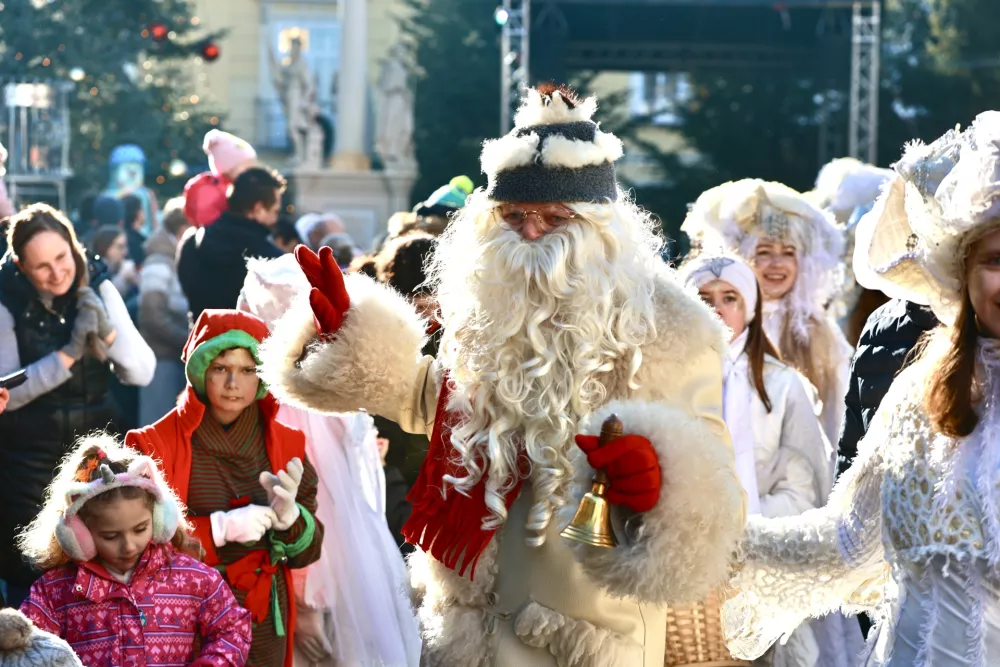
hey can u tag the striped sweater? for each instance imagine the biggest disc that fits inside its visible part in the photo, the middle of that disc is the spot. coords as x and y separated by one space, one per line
174 612
191 470
225 473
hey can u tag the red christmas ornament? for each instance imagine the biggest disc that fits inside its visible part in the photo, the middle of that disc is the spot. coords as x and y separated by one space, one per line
210 51
159 32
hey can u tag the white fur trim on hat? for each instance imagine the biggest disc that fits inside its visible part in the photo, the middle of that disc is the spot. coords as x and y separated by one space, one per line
538 110
508 152
573 153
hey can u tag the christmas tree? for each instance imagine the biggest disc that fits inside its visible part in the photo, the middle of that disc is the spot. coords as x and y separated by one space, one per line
456 52
128 62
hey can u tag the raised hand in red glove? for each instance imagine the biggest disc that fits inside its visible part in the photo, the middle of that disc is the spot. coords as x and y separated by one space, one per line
632 466
328 297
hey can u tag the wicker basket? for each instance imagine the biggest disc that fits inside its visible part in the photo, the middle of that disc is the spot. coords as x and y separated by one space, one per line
694 636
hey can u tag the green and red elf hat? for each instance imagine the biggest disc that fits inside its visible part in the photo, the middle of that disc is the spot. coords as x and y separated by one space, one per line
215 332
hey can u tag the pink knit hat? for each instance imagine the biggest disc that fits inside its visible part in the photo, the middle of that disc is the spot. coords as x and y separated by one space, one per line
226 151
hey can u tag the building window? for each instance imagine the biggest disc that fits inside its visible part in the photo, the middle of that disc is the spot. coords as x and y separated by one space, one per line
659 96
321 49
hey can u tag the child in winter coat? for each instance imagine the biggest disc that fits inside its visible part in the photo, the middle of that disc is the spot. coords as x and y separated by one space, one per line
205 194
783 459
122 586
352 606
243 475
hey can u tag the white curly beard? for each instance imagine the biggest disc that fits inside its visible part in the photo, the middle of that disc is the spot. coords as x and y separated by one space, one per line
537 335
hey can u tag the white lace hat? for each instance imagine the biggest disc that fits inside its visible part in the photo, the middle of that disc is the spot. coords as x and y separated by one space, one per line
945 195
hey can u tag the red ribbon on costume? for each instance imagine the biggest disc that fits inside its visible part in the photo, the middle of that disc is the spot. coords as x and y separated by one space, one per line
242 501
254 574
450 529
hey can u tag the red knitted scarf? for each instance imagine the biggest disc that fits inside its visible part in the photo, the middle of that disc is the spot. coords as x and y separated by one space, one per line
450 529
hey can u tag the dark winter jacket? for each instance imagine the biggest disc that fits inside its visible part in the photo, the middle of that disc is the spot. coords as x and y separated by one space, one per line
35 437
889 335
212 264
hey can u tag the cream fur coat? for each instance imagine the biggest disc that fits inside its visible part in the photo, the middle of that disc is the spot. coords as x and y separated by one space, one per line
561 604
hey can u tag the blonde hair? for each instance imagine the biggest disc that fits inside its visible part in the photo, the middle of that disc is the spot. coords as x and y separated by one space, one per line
811 356
38 540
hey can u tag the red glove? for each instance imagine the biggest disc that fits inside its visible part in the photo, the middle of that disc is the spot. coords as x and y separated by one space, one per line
632 466
328 297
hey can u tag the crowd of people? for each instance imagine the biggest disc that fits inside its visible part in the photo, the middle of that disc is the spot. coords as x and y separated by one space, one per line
235 439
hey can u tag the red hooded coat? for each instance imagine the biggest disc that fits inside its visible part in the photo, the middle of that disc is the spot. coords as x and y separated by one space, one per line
169 439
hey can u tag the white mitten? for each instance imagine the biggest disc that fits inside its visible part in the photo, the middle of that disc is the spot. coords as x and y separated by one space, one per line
245 525
282 490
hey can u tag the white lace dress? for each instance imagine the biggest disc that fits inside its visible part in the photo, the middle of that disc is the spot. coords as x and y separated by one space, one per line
911 533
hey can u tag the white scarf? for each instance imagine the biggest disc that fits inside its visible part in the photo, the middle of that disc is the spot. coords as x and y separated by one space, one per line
774 319
737 392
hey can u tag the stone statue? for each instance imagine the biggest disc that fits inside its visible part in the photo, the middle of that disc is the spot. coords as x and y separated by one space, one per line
296 86
394 141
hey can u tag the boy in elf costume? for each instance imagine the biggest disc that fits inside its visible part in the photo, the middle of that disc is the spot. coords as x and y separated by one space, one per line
244 477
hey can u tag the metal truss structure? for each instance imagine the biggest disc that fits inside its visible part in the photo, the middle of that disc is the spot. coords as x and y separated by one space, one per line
865 46
862 101
514 57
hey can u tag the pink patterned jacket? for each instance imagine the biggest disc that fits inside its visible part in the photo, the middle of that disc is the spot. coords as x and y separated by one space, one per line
155 620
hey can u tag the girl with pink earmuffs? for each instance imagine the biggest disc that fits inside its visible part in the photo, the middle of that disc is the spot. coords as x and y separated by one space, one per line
123 584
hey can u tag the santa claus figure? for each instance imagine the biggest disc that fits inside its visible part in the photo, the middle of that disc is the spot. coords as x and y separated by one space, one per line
557 314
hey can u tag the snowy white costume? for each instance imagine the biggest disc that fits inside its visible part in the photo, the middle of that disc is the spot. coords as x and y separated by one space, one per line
912 530
360 580
784 461
848 188
735 216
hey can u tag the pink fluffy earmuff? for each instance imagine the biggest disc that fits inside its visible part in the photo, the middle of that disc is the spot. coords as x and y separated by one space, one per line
73 535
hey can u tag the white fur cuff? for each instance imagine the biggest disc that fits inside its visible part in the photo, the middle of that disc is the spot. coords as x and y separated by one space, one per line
370 364
681 549
573 642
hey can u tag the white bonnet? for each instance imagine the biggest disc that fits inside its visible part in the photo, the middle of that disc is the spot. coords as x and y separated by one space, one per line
708 267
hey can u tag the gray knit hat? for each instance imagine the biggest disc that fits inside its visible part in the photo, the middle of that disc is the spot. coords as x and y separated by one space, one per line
24 645
555 153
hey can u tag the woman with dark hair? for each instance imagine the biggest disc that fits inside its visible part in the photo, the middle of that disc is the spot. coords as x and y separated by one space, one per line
911 532
65 324
110 244
135 221
783 459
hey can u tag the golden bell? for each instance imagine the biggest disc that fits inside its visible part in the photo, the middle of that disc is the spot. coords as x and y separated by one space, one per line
592 522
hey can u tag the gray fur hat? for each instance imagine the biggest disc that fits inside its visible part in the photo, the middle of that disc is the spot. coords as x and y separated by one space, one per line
24 645
555 153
